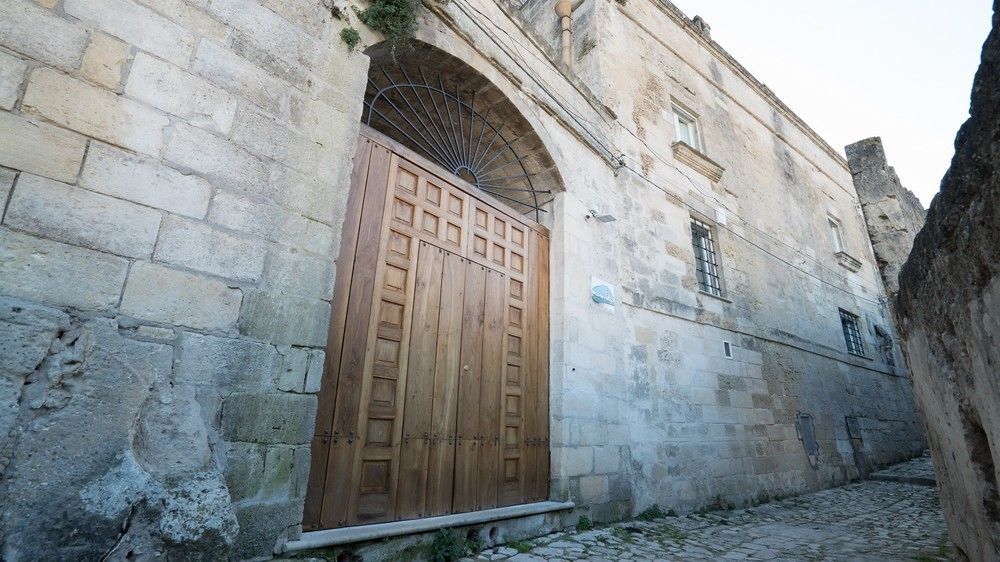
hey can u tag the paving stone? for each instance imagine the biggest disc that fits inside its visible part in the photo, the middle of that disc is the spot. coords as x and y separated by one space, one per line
873 520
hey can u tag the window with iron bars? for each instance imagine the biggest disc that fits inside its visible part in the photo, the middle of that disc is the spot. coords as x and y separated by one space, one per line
706 262
852 333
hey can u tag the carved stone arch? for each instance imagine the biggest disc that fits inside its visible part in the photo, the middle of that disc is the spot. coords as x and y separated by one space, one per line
443 108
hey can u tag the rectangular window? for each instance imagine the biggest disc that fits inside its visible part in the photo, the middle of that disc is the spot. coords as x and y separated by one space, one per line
687 128
728 348
852 333
838 240
706 262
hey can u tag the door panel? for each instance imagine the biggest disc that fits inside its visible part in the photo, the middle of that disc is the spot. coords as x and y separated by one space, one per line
435 391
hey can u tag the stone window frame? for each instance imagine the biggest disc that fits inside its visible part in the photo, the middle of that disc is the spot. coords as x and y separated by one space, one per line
836 228
700 221
850 324
680 114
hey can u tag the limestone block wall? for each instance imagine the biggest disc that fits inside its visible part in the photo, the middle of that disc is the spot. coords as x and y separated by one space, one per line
646 407
949 310
172 183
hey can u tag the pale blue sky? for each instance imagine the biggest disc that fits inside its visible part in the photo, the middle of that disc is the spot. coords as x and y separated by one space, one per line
852 69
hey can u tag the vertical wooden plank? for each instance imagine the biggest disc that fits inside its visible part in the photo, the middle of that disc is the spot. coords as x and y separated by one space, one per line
343 436
529 449
441 468
541 263
491 389
466 446
415 443
335 340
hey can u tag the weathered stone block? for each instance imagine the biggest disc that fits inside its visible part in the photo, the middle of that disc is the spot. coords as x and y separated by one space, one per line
40 148
137 25
239 76
270 521
294 365
173 90
190 17
12 71
26 334
217 159
309 195
37 269
269 418
7 178
70 214
284 319
198 246
271 222
122 174
273 33
227 363
264 135
593 489
574 461
27 28
103 61
244 469
301 275
157 293
94 111
279 472
314 376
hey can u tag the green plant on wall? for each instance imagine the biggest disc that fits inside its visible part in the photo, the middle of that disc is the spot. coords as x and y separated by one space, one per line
396 20
351 37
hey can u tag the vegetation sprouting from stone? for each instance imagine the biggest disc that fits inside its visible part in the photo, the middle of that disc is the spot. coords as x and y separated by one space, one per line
651 513
449 545
584 524
520 546
350 37
396 20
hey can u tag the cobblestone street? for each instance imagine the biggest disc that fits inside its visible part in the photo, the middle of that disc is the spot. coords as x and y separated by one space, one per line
870 520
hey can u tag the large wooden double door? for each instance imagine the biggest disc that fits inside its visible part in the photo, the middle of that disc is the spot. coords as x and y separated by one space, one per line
434 399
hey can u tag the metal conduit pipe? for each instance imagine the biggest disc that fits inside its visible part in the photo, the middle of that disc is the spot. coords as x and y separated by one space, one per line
564 9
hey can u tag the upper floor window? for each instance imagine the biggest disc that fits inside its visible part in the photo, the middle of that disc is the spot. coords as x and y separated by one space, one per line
706 261
852 333
687 128
835 233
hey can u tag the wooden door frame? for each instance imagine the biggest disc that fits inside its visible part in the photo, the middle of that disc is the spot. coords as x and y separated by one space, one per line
362 199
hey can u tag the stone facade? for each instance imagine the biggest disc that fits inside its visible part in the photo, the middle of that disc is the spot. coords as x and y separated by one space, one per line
949 298
176 174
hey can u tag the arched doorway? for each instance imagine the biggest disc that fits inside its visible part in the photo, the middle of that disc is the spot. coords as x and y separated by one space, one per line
435 392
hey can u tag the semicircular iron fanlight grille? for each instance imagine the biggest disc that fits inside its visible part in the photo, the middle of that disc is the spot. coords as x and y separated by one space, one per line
448 129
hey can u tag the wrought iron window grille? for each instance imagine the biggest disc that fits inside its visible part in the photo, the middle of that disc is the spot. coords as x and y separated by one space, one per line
706 261
447 128
852 333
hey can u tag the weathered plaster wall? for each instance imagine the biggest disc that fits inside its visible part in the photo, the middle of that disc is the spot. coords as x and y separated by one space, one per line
949 309
893 214
173 178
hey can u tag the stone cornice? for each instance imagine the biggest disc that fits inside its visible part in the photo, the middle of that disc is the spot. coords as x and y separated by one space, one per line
675 13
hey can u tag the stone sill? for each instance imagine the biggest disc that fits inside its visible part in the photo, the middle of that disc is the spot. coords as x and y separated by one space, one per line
848 261
698 161
719 297
361 533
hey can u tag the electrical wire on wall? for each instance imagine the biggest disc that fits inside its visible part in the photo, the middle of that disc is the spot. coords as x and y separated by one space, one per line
617 157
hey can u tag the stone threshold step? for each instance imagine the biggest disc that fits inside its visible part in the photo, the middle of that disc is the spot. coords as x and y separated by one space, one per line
361 533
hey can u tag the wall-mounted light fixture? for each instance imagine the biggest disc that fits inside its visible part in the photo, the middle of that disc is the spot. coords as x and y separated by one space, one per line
601 218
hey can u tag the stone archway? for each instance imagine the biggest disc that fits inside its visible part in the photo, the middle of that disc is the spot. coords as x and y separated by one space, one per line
435 391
